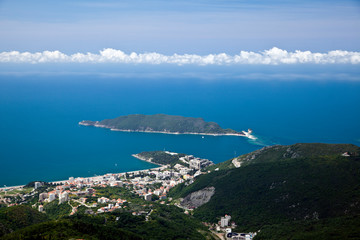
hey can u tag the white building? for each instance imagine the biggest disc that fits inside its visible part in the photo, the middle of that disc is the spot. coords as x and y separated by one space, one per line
61 200
113 184
103 200
63 197
147 197
158 192
71 179
51 197
198 163
224 222
37 185
43 196
195 164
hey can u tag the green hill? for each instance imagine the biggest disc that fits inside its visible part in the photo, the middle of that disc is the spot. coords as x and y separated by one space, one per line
71 229
160 123
161 157
283 184
299 150
165 222
280 152
17 217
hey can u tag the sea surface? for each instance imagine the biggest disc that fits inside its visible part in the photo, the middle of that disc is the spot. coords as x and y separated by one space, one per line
40 138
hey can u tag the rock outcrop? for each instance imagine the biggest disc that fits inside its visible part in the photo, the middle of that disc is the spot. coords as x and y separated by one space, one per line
198 198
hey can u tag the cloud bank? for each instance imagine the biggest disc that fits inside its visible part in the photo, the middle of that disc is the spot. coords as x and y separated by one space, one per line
273 56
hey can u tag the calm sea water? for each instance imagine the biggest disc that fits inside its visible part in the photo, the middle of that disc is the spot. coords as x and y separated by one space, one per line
40 138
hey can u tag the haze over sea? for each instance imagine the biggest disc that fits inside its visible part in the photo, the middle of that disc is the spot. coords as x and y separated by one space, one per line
39 111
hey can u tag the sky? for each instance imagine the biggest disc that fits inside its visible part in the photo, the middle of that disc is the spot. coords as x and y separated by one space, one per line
180 27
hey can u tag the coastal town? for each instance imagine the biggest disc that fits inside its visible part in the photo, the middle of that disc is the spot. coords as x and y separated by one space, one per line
135 192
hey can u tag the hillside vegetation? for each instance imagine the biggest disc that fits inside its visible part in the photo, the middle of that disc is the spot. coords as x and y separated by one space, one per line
163 123
17 217
165 222
284 184
299 150
161 157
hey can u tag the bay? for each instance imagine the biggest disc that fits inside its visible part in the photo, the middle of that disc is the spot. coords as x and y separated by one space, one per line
41 139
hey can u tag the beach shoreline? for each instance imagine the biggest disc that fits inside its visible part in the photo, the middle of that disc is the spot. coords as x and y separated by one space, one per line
160 167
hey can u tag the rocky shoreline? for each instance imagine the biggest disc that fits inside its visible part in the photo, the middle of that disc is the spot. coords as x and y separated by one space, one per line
149 160
96 124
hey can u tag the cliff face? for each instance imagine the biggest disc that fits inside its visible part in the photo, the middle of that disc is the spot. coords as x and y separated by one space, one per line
160 123
198 198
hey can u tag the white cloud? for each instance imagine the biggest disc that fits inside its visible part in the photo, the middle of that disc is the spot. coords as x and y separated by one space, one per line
273 56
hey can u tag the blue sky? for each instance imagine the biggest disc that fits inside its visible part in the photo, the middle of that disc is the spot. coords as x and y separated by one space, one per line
168 27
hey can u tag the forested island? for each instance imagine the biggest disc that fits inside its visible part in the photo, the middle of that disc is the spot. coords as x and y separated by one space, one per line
162 123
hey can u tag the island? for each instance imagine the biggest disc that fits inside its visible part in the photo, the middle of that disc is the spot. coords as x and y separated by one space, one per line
162 123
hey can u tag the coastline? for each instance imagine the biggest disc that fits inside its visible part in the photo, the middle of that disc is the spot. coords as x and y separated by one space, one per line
135 155
160 167
146 160
164 132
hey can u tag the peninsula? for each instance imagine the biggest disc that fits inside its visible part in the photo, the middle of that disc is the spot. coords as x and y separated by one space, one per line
172 159
162 123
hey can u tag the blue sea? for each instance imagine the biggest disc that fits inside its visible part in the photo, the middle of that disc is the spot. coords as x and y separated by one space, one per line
40 138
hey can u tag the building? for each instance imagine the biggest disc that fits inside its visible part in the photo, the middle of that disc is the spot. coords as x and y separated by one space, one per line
198 163
51 197
113 184
71 179
240 236
90 190
158 192
103 200
41 208
345 154
43 196
195 164
119 183
61 200
37 185
147 197
224 222
63 197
